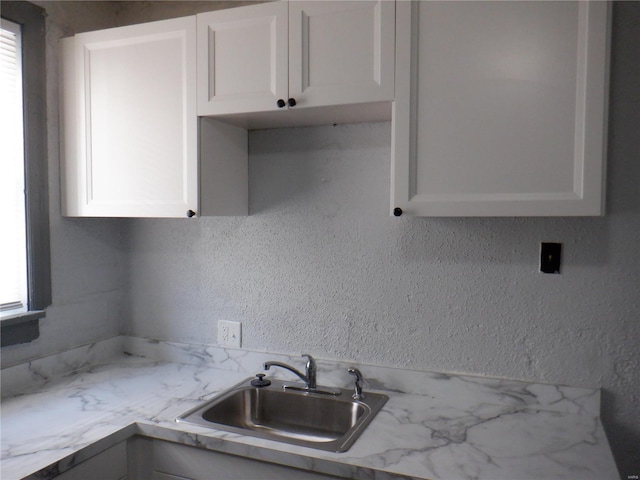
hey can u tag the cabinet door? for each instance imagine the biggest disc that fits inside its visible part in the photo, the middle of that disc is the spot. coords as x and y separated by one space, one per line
129 106
242 59
500 108
341 52
108 465
179 462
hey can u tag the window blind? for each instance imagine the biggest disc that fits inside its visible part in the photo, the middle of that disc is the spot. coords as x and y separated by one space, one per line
13 244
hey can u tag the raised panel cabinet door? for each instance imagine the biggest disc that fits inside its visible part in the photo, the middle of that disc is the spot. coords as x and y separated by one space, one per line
129 107
341 52
173 461
242 59
500 108
111 464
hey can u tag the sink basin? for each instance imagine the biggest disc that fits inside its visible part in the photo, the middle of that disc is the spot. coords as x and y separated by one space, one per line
283 412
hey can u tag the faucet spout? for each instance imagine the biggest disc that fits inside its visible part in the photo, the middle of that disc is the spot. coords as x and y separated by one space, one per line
309 378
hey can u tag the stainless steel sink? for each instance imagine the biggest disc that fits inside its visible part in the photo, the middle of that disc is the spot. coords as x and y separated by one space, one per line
324 421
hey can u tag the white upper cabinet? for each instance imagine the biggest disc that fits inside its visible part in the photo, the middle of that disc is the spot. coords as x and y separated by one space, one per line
129 104
500 108
130 128
283 55
341 52
242 59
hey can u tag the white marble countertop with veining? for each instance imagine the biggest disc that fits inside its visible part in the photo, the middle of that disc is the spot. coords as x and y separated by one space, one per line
434 426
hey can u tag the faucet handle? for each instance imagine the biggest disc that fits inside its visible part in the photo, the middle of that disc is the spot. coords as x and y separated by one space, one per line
311 364
311 370
358 395
356 373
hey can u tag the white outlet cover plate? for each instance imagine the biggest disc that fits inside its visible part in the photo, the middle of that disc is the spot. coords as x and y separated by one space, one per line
229 334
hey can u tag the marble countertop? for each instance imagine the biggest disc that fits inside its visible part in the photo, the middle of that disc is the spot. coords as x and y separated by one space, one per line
434 426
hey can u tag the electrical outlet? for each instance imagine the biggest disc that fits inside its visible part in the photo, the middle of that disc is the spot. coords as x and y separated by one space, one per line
550 255
229 334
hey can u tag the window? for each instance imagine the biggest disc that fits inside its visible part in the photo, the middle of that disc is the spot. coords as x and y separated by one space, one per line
25 283
13 251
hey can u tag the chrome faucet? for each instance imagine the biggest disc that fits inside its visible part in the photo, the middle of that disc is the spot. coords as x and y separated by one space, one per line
358 395
309 378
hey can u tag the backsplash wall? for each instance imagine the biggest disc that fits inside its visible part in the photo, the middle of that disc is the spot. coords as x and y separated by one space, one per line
320 266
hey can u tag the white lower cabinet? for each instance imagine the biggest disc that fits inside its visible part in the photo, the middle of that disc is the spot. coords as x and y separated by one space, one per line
108 465
141 458
160 460
500 108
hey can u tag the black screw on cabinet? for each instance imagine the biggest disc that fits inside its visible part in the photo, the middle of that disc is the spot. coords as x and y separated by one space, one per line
397 212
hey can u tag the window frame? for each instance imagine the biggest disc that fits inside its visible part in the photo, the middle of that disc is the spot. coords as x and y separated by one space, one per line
24 327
